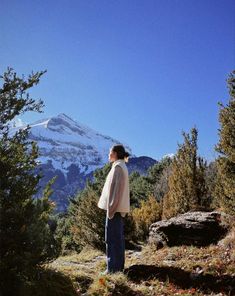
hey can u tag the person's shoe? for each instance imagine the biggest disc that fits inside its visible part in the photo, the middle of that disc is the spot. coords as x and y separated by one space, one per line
104 272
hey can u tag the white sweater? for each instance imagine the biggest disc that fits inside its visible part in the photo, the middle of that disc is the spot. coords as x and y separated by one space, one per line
115 196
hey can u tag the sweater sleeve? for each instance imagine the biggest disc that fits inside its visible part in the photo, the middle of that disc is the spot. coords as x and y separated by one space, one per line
116 190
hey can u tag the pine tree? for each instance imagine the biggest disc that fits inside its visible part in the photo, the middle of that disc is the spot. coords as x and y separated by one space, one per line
158 176
140 188
187 180
87 221
155 172
211 176
24 230
225 183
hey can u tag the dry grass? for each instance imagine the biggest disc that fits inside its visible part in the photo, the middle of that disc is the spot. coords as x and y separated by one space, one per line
215 259
184 270
87 254
115 284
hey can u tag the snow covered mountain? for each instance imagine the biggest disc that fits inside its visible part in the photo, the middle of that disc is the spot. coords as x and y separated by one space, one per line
64 142
72 151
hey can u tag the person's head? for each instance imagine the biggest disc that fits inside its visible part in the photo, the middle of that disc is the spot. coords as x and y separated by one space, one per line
118 152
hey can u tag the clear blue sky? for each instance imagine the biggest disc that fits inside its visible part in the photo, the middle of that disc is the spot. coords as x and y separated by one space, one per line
141 71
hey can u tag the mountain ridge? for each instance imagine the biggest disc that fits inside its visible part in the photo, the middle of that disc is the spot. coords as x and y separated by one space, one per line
72 151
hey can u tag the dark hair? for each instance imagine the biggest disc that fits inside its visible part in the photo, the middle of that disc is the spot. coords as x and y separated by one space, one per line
120 150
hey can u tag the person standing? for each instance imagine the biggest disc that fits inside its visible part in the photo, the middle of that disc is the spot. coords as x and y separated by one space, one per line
115 199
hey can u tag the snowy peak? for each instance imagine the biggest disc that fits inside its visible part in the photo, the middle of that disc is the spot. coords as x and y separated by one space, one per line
63 125
60 118
65 142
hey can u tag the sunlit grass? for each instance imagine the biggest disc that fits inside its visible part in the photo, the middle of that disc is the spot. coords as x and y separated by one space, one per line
84 269
87 254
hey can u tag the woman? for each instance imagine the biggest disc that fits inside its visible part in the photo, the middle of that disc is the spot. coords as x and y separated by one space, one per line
115 199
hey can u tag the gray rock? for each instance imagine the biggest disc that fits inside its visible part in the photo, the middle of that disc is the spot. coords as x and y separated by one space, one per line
192 228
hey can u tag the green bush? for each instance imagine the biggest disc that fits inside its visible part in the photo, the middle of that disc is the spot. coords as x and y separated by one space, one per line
88 221
149 212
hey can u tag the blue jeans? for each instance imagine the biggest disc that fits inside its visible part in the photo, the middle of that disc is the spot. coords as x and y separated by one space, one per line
115 243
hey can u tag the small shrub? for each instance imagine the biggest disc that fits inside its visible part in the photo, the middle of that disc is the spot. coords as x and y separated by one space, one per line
148 213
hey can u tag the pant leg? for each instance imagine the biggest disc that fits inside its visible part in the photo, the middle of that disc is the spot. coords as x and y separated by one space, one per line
115 243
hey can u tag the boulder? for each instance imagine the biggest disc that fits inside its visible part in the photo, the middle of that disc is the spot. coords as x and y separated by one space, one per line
192 228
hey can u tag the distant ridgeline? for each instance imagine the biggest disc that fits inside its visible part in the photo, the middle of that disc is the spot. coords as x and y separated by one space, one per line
72 152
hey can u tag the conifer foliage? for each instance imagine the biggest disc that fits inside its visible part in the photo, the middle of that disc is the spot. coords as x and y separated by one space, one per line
25 234
186 183
225 183
87 224
86 220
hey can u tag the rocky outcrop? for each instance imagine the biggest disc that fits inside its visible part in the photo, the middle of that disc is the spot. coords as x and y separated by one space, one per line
192 228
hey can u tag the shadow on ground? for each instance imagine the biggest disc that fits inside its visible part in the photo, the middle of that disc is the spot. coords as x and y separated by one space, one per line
41 282
205 282
129 245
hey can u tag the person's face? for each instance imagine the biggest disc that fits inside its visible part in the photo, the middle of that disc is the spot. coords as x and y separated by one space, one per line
112 155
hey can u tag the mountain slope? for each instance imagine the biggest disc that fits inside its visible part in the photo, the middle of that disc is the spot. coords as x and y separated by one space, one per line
72 151
65 141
